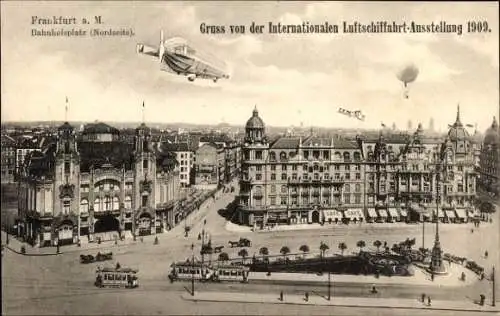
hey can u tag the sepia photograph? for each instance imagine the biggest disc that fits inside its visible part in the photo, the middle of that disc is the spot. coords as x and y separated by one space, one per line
250 158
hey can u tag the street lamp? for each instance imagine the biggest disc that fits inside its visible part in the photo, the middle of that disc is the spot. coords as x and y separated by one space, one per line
192 270
329 284
493 281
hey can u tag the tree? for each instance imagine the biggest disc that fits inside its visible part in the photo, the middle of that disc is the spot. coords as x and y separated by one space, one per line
304 249
323 248
223 256
243 253
361 244
395 248
377 243
342 247
284 251
487 207
264 251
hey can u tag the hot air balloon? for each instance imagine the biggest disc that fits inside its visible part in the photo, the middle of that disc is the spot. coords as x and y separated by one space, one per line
408 75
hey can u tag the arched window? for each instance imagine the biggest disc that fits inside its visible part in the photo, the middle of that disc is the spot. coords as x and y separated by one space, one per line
258 190
282 155
357 188
128 202
97 205
272 156
347 156
116 203
370 155
338 156
347 188
107 203
357 156
84 206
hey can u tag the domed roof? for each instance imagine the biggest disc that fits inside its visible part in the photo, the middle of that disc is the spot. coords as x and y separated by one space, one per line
457 131
65 127
255 121
492 134
143 128
100 128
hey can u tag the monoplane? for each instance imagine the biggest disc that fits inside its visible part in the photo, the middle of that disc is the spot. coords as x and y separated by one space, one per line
177 56
356 114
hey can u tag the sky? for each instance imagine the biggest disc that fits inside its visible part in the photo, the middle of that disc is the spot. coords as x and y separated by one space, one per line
293 79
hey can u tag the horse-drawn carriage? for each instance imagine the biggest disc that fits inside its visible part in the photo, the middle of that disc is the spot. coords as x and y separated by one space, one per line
243 242
99 257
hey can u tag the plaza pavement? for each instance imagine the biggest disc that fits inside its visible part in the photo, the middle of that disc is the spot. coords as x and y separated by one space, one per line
366 302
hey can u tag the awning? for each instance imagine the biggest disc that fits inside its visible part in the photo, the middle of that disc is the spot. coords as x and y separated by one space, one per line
461 213
393 212
372 212
382 213
450 214
474 213
353 214
333 214
403 213
440 213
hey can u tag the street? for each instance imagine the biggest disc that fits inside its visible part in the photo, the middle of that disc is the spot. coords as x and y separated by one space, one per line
60 284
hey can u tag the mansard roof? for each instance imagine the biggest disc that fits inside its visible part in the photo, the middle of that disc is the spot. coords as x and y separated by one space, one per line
286 143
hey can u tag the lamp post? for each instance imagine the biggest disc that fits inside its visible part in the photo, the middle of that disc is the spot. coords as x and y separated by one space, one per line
192 270
493 281
329 284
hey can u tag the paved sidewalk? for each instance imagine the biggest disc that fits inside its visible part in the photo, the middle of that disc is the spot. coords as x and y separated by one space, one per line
341 301
232 227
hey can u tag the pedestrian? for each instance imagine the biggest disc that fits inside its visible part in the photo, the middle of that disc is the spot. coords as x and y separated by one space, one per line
486 254
423 297
281 296
428 300
432 277
307 296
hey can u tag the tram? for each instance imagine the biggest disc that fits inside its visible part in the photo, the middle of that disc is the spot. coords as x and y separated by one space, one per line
186 271
112 277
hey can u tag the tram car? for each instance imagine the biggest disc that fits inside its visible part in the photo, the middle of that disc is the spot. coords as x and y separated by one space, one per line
117 278
185 271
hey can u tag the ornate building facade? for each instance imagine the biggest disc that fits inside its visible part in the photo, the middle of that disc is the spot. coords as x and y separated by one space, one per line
490 159
319 179
78 190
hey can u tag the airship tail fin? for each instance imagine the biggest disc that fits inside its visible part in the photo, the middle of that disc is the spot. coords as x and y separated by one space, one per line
161 49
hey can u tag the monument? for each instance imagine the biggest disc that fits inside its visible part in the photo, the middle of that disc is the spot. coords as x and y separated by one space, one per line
436 266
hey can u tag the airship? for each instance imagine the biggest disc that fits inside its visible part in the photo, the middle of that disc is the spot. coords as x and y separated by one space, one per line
178 56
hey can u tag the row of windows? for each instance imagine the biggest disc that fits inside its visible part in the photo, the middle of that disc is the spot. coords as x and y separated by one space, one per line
315 168
106 186
106 204
315 154
316 176
284 189
347 198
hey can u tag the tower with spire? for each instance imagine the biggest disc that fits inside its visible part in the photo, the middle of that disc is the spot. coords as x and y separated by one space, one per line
255 151
67 170
144 172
